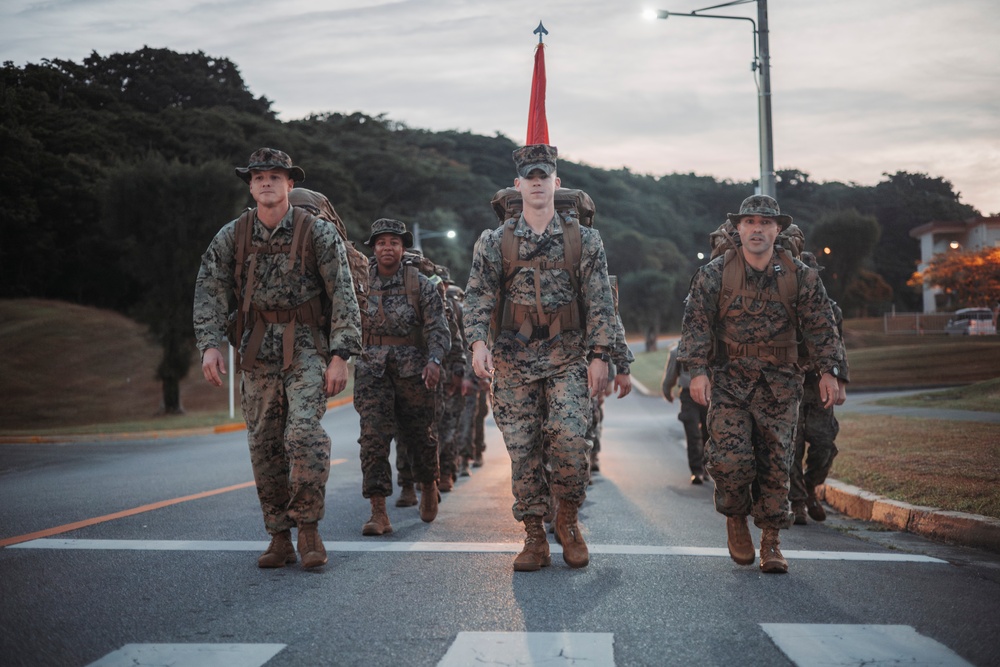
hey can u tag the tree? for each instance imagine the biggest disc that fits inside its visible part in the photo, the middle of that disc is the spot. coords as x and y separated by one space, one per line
850 238
163 215
969 278
868 289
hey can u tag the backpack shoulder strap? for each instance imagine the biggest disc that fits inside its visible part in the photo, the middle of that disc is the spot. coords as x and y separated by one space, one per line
733 280
788 286
572 248
244 226
302 225
509 244
411 284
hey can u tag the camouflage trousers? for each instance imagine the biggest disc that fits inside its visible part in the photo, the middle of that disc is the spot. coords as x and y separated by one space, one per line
546 421
694 417
596 425
471 432
451 406
748 453
289 450
818 426
401 407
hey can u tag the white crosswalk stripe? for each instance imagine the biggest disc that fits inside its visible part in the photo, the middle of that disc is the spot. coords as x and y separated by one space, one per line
458 547
822 645
190 655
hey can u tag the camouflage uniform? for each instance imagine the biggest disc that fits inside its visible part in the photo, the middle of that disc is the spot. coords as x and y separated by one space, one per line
389 393
455 368
817 424
754 401
283 406
692 415
540 389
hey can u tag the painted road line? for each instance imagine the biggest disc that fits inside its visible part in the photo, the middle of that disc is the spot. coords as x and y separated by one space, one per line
539 649
191 655
65 528
457 547
819 645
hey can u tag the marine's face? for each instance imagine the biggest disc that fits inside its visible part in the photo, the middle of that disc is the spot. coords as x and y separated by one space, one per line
271 187
388 252
537 189
757 233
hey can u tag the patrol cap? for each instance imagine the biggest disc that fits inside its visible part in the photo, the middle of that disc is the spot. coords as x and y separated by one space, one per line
266 159
390 226
535 156
761 205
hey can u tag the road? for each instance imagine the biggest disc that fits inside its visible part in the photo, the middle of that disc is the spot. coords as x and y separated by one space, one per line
143 566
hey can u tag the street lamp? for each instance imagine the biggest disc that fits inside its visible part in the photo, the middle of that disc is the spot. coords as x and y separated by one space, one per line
761 64
418 235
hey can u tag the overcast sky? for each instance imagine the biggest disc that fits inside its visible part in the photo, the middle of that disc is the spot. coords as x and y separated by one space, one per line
859 87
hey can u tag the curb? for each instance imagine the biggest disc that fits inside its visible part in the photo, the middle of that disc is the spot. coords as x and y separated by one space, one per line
970 530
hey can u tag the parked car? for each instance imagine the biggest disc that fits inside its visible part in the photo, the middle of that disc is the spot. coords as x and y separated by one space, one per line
971 322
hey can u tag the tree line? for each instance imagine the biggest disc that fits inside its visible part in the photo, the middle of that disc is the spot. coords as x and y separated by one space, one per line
119 170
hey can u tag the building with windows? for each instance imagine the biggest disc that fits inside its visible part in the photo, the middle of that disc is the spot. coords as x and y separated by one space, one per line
963 236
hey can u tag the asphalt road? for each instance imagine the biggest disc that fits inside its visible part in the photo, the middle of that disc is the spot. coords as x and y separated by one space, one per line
177 583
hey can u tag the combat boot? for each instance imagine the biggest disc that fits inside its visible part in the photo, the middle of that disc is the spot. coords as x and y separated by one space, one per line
535 554
575 551
407 495
280 551
429 498
739 541
464 469
379 523
478 461
771 559
595 465
446 483
799 510
311 547
816 510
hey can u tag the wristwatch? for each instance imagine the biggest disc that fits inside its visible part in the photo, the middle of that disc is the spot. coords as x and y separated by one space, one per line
343 354
434 360
603 356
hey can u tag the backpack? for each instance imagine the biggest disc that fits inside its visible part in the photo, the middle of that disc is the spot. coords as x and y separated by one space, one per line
317 204
412 263
574 207
725 241
315 312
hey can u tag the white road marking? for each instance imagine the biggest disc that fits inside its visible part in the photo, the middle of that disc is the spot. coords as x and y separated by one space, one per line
539 649
190 655
819 645
457 547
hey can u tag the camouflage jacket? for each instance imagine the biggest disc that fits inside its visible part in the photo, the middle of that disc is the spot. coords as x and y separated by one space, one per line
486 281
621 353
455 362
277 288
398 320
740 375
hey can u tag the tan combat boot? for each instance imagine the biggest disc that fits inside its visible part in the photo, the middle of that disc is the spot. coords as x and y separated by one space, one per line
799 510
575 551
407 495
280 551
379 523
771 559
816 510
535 554
429 498
740 543
446 483
311 547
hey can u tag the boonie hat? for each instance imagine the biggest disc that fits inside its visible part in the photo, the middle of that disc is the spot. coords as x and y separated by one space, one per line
266 159
535 156
390 226
761 205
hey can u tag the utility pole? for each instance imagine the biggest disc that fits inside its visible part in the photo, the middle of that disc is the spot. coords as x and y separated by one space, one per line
767 177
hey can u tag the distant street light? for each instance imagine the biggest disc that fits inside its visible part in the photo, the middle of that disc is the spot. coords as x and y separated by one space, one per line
419 235
760 64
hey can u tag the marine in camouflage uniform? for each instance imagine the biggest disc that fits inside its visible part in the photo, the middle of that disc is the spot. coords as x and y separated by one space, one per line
693 416
542 382
395 378
742 362
286 383
818 427
457 381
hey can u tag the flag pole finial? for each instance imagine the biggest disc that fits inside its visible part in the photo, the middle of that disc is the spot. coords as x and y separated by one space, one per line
540 31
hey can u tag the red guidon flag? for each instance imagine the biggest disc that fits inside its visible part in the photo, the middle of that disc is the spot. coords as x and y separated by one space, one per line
538 126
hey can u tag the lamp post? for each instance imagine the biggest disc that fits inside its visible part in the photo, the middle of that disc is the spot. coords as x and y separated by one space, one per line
762 64
419 235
